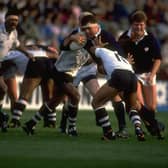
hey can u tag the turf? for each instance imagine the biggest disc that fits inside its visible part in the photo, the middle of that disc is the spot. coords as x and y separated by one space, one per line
49 148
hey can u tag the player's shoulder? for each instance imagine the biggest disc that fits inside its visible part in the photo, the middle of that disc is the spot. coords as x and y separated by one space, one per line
106 34
150 35
75 31
124 35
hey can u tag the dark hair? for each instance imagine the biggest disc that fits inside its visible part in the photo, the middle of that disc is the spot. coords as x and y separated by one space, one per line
88 19
12 12
138 16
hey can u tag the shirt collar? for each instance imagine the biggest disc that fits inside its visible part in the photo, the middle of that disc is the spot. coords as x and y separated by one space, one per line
98 33
129 34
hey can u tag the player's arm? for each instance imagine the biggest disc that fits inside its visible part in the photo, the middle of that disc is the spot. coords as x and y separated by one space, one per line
50 51
24 50
157 57
78 37
156 66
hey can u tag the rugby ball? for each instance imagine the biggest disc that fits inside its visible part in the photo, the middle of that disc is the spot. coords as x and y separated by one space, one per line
76 46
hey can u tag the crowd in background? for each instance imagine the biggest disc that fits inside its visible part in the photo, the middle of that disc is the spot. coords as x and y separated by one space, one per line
49 21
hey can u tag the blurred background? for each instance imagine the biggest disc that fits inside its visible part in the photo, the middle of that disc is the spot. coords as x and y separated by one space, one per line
49 21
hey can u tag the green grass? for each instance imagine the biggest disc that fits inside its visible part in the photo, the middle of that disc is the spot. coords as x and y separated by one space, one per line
48 148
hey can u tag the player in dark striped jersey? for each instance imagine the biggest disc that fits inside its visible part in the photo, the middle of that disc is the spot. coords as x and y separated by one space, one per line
144 48
90 81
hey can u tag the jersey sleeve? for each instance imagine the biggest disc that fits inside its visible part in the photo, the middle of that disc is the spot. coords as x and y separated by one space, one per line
67 47
156 52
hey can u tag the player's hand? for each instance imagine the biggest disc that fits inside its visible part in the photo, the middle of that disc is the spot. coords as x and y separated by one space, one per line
130 59
80 38
30 56
98 42
149 79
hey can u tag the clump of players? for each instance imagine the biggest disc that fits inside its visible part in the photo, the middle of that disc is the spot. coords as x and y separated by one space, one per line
129 67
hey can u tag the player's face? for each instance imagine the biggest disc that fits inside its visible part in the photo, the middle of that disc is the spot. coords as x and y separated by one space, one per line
12 22
138 28
91 31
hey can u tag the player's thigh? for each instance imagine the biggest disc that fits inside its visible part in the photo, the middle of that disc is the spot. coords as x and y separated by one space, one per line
27 87
150 96
47 87
72 93
131 101
104 94
12 88
92 86
140 93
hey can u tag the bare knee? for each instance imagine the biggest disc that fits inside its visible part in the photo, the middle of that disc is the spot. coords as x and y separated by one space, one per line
151 107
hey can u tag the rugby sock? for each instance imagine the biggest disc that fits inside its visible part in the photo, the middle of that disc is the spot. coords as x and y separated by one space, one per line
72 117
35 119
64 116
19 107
1 102
52 116
119 109
135 118
43 111
102 119
148 117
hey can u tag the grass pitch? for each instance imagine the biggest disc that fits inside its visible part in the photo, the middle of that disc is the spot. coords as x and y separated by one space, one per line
50 149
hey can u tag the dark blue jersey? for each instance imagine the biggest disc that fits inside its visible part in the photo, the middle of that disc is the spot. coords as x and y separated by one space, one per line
62 46
106 37
144 52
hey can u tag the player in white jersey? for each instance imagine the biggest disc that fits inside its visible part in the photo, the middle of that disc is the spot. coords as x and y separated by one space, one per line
88 75
35 74
8 40
120 78
65 68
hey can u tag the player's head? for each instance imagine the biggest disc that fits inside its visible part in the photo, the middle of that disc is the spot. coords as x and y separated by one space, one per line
138 16
11 19
138 22
89 24
85 13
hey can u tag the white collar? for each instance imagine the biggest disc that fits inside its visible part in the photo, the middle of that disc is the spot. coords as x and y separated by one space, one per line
98 33
129 35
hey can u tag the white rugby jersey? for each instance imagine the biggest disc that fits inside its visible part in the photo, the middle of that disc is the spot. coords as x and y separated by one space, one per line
70 61
7 41
112 60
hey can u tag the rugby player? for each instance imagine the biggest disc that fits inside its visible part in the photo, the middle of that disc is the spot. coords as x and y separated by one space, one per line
8 40
120 78
36 73
144 48
88 73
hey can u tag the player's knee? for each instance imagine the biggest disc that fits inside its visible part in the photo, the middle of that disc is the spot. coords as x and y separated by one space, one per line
94 103
151 107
